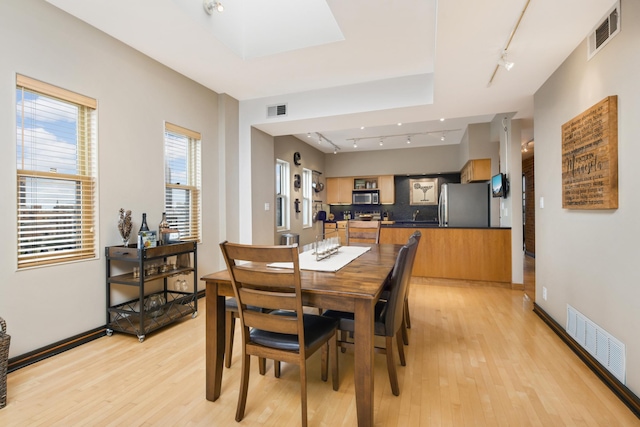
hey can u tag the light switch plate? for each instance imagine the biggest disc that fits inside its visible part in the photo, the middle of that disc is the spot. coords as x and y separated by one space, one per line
267 206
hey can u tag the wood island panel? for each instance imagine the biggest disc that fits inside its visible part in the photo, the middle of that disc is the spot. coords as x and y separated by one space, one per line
482 254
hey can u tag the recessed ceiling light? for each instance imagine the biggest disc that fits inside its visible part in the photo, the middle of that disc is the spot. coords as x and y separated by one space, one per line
399 124
442 119
361 127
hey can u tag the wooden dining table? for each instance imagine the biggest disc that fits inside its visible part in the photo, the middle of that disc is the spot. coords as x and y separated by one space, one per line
354 288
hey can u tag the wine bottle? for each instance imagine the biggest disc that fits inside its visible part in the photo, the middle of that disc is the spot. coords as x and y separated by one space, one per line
162 228
144 226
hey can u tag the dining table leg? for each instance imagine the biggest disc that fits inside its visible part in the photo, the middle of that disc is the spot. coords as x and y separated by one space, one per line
214 341
364 311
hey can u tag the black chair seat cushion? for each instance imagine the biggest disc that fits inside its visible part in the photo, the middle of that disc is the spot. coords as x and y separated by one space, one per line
316 329
347 319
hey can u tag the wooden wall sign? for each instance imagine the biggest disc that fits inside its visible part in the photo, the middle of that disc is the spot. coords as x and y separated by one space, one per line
590 158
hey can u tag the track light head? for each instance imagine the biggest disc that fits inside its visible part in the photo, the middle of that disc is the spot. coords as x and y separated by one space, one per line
210 6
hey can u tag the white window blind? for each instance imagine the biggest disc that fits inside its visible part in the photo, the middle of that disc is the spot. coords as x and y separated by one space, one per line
56 174
183 181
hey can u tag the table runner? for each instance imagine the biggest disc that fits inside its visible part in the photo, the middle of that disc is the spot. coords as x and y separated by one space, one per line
335 262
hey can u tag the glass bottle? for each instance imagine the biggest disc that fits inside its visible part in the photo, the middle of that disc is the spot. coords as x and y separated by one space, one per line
162 227
144 226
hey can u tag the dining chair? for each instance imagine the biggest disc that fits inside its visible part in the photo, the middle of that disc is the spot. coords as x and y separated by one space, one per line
406 324
363 232
285 333
389 313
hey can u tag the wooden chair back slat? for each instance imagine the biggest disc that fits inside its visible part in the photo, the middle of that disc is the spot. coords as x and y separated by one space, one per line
268 300
363 232
268 322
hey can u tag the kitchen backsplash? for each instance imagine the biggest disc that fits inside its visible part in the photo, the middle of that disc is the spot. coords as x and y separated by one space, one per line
401 210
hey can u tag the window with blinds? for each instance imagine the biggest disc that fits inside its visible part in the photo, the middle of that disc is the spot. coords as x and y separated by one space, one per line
282 195
183 181
56 174
307 192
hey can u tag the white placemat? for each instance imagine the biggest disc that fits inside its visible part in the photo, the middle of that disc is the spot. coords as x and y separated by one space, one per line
335 262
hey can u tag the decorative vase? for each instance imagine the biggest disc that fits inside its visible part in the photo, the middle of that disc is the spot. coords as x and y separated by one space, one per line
124 226
153 305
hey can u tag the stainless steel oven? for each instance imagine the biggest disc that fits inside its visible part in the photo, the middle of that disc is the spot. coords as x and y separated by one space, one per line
366 198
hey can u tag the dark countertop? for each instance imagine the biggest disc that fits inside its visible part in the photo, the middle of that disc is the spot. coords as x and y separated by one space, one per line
429 224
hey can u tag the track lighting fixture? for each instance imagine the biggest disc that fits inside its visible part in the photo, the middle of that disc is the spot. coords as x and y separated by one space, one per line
503 62
508 65
210 6
408 136
321 137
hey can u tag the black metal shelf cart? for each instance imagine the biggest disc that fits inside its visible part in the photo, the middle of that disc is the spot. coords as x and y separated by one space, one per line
136 316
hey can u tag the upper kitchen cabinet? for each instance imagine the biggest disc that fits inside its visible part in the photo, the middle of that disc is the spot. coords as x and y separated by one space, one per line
339 191
476 170
387 190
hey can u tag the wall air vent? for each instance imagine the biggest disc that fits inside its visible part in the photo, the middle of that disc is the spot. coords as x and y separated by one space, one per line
604 31
277 110
603 346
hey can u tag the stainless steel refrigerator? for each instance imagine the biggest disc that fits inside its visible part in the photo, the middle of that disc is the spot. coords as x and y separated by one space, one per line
464 205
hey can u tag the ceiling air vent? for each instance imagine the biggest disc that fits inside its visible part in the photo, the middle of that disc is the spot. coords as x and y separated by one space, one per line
604 31
277 110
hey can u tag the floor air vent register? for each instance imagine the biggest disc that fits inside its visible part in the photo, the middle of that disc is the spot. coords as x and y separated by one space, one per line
599 343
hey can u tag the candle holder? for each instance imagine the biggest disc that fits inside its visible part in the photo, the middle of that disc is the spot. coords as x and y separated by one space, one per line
326 245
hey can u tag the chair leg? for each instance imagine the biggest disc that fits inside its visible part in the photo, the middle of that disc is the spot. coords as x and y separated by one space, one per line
230 326
276 368
333 357
262 365
407 318
405 334
303 391
324 364
391 367
401 350
244 386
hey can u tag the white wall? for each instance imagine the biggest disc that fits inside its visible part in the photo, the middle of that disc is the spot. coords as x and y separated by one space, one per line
589 259
135 96
262 189
413 161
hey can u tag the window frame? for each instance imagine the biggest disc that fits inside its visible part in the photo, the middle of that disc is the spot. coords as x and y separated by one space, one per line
282 195
187 221
64 232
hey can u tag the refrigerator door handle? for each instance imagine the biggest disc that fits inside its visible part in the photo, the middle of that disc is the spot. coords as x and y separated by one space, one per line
442 207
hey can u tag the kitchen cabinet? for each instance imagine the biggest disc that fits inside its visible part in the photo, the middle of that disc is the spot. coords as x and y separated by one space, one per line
476 170
150 311
339 191
329 228
342 231
387 189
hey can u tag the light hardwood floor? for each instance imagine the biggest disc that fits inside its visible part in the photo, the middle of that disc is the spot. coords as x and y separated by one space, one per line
478 356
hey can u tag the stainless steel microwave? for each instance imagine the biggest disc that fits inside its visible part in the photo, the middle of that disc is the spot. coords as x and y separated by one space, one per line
366 198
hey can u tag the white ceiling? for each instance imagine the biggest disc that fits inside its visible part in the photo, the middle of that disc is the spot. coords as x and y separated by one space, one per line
372 63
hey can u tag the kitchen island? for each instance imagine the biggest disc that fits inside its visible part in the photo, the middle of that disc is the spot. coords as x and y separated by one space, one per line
480 254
